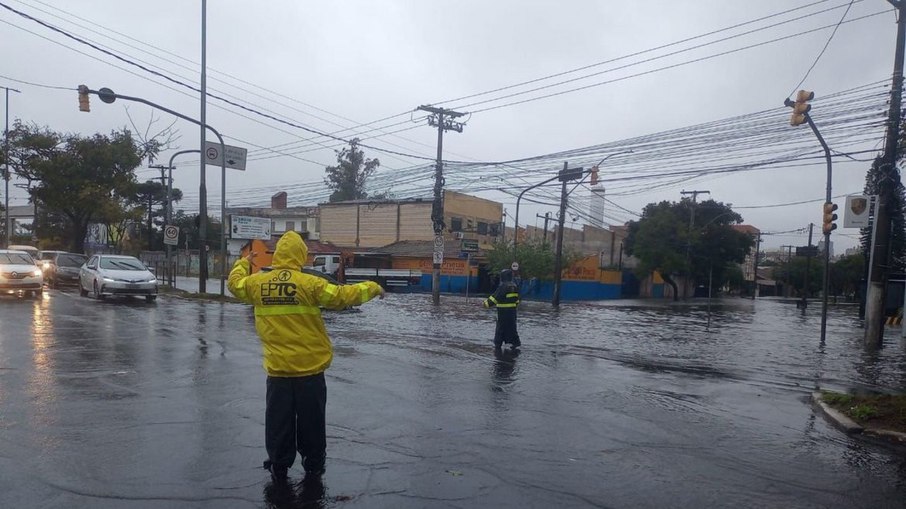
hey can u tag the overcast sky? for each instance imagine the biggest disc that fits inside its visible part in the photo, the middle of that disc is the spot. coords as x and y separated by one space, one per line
331 65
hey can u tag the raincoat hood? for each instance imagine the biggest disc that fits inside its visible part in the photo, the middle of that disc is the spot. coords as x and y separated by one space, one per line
291 252
506 275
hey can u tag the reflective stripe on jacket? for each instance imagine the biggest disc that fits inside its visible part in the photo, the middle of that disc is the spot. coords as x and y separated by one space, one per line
506 296
287 308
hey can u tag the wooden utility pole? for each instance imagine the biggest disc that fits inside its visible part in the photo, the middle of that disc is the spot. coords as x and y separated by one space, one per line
889 181
443 120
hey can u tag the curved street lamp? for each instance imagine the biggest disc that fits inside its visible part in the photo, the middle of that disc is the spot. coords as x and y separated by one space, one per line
519 199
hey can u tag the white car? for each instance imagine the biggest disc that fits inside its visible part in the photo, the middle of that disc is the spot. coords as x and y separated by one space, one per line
104 275
19 273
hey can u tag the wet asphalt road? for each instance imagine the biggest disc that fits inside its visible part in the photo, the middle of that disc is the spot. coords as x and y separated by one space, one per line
127 404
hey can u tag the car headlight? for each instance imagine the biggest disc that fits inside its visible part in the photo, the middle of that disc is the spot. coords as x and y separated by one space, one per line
37 272
108 280
152 280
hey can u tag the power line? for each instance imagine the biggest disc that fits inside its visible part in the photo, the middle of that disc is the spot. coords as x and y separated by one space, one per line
826 44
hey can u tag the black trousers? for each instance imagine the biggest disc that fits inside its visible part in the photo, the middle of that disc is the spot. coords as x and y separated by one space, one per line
295 420
506 328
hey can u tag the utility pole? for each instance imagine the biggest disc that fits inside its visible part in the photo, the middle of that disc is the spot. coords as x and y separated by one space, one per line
6 174
755 267
546 217
443 120
808 267
689 238
875 297
564 176
202 187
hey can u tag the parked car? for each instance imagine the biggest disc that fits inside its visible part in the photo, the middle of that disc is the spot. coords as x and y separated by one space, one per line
61 268
18 273
106 275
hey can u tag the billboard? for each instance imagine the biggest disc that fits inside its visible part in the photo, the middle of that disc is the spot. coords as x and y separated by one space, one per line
248 227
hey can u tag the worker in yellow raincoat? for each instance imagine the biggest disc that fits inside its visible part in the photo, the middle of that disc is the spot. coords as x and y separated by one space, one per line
296 348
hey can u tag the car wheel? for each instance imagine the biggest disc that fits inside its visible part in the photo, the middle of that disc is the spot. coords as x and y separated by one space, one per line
82 292
150 298
97 292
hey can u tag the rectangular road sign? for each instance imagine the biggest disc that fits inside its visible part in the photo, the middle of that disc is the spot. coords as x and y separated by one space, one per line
171 235
807 251
470 246
857 211
235 156
248 227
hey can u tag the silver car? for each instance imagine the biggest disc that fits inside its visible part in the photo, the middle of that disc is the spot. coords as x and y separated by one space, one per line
104 275
19 273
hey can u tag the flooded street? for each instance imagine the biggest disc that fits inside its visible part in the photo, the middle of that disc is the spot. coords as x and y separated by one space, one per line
610 404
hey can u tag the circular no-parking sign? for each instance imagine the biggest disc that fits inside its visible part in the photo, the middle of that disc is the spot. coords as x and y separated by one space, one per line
211 153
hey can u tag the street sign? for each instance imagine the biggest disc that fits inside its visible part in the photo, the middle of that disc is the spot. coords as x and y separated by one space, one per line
470 245
515 266
235 156
807 251
438 257
171 235
248 227
857 211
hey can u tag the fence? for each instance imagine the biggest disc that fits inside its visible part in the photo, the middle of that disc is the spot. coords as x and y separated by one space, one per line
184 263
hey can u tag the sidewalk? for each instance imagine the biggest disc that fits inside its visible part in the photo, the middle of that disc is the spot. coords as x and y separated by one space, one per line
190 284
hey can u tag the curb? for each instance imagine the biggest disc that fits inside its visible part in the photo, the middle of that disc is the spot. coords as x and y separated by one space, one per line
836 417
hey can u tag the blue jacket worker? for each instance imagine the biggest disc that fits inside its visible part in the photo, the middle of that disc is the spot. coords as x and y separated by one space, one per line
296 348
505 299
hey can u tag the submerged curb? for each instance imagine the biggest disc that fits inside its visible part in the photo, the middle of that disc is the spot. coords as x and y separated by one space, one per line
852 427
836 417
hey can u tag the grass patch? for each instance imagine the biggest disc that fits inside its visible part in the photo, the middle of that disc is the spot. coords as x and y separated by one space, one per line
878 411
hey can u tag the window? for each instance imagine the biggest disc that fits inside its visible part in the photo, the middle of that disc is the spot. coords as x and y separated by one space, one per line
495 229
290 226
482 228
336 259
456 224
273 225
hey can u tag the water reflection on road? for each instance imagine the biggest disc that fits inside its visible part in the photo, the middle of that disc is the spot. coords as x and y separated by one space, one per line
618 404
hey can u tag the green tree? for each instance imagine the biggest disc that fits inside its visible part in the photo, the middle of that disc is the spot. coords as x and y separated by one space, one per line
898 221
151 198
846 275
189 228
792 274
72 175
665 240
347 179
536 258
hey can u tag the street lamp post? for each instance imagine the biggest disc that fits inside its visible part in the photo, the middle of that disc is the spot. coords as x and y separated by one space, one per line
539 184
108 96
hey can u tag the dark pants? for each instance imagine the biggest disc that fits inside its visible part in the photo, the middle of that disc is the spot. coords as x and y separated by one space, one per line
295 421
506 328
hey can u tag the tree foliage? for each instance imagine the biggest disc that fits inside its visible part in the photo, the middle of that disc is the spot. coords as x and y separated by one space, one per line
665 239
536 258
74 176
347 179
898 221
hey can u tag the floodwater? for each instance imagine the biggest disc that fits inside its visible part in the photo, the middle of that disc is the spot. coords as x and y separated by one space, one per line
610 404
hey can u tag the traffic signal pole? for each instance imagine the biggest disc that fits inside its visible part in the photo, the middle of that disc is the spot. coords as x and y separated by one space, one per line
828 226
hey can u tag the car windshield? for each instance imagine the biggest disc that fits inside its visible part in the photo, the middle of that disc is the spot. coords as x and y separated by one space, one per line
15 258
122 264
47 255
71 260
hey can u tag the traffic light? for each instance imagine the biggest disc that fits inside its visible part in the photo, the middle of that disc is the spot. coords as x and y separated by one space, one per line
801 107
83 99
594 175
829 218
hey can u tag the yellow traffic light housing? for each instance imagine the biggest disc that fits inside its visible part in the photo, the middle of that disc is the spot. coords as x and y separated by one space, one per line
801 107
84 104
829 218
594 175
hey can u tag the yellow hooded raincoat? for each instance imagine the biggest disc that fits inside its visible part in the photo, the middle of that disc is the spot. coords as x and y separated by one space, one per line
287 308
